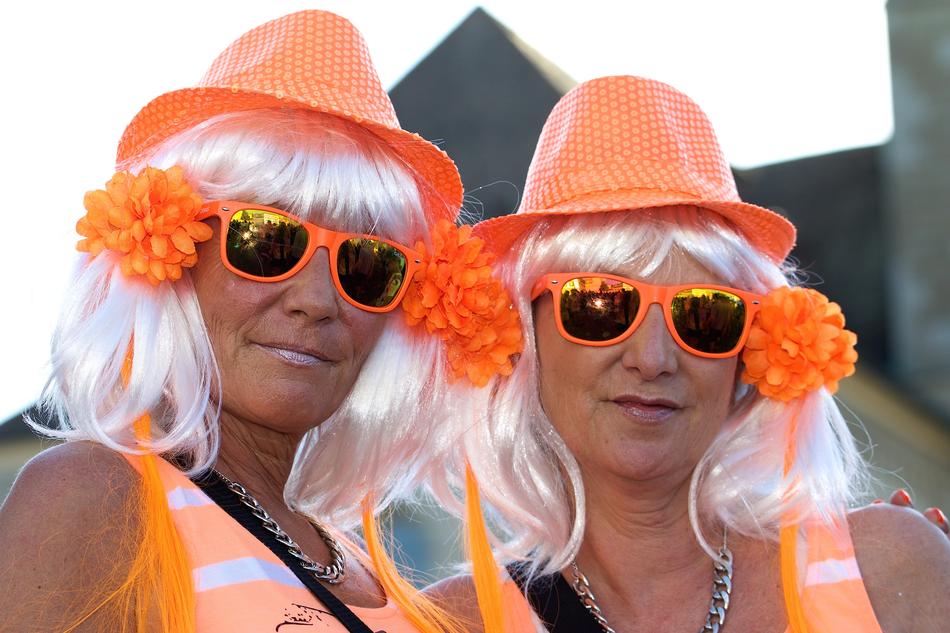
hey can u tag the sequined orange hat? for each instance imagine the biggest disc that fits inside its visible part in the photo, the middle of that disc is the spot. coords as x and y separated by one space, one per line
623 143
313 60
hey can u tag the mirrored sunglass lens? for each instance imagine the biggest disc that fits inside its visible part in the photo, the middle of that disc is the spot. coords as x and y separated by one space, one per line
371 272
264 243
708 320
598 309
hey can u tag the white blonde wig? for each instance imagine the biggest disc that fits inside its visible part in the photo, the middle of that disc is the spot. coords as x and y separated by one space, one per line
530 480
326 170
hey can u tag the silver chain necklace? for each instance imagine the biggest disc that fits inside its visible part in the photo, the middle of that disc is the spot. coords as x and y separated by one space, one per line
334 573
718 605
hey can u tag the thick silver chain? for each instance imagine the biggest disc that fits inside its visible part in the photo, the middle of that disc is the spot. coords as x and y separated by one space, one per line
334 573
718 605
582 589
722 587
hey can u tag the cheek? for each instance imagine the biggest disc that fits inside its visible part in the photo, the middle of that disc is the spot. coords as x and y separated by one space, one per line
565 375
229 304
550 360
212 284
364 328
211 288
716 386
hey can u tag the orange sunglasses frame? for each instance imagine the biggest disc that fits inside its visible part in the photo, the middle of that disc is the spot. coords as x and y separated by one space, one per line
649 294
318 237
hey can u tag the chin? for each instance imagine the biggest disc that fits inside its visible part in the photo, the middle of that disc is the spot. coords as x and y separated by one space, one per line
290 413
648 461
640 471
295 428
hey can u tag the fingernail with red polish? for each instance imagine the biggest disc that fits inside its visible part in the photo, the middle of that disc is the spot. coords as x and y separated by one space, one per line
938 517
878 501
904 497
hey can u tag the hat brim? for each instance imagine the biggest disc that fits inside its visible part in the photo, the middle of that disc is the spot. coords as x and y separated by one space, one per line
179 110
766 230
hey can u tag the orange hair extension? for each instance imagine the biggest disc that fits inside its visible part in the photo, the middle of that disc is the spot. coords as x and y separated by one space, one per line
159 579
420 610
788 541
484 566
162 561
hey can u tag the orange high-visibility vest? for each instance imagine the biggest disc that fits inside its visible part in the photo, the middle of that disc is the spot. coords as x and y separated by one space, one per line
240 585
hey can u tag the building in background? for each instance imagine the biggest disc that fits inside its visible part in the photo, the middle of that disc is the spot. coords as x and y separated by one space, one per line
484 95
874 230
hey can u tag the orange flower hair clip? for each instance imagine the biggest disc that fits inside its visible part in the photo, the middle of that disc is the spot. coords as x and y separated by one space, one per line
149 219
455 295
797 344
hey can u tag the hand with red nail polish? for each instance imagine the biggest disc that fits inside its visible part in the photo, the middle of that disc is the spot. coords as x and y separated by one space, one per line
938 518
935 515
901 498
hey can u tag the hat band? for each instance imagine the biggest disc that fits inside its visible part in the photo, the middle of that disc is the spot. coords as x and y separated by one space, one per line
651 197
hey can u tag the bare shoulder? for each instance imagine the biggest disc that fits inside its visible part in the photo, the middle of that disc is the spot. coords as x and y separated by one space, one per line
885 534
456 595
70 460
75 478
905 563
64 525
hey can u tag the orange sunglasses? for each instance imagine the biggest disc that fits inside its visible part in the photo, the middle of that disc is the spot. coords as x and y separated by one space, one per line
599 310
267 244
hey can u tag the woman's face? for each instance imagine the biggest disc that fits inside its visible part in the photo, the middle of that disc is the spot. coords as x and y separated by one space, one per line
641 409
288 351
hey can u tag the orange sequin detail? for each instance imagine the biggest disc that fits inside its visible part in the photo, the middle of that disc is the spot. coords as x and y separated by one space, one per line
459 300
625 143
797 344
149 219
307 60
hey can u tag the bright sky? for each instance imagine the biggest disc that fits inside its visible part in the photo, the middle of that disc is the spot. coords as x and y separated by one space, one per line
780 79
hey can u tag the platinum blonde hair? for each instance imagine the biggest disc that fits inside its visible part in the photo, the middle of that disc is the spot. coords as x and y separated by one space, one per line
531 481
326 170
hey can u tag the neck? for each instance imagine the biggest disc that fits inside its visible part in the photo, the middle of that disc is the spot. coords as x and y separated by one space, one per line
639 526
257 457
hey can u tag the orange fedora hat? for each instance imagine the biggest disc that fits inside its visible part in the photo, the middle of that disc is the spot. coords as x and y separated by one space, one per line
312 60
624 143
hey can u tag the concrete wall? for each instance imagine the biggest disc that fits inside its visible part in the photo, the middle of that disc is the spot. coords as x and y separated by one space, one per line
906 446
917 175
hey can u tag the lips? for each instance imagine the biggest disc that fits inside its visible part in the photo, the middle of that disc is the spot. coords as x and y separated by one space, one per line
297 354
650 410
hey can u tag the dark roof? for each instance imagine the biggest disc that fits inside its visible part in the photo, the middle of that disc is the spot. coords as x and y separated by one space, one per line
484 94
15 428
836 202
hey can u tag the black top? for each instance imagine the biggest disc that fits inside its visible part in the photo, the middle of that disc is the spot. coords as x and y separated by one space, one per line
556 603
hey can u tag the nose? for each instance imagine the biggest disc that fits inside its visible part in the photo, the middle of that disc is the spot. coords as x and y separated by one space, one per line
311 294
651 350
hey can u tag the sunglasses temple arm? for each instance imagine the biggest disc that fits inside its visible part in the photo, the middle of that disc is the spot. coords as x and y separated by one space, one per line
211 208
538 288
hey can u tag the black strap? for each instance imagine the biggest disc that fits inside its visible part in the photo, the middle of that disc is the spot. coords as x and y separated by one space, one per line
555 602
214 487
